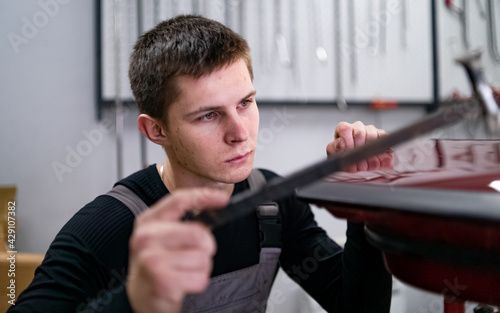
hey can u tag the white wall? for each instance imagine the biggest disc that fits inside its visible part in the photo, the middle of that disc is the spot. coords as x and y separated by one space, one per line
48 107
47 99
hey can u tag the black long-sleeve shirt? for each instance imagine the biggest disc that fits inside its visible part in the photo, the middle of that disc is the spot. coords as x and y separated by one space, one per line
86 266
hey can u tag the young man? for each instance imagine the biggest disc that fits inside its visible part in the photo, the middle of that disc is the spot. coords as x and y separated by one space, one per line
192 79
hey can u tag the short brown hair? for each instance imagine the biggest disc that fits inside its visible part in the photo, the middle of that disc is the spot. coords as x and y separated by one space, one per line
185 45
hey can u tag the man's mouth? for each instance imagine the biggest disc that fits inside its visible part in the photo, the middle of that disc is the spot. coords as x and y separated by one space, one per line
239 158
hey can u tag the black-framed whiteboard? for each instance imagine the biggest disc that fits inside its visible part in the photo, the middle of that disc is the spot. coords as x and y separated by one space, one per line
387 48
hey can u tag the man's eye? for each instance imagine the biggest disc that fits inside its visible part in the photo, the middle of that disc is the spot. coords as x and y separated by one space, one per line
246 103
208 116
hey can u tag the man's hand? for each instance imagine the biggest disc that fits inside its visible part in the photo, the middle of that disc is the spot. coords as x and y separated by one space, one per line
349 136
170 258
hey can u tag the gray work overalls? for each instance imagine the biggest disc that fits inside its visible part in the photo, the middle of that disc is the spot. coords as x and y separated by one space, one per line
244 290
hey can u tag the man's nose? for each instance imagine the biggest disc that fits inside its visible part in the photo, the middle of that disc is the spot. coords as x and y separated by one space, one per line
236 129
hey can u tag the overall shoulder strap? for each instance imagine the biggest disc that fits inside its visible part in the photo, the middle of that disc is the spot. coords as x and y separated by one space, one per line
129 199
256 179
267 213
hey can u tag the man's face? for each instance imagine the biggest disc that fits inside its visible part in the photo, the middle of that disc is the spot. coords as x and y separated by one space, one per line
212 127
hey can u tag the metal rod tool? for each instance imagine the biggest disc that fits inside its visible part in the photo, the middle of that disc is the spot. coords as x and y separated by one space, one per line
276 189
464 19
339 89
281 44
353 62
404 24
492 32
118 20
383 26
319 33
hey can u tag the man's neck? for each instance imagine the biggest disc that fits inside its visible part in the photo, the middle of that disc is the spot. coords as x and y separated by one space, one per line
173 179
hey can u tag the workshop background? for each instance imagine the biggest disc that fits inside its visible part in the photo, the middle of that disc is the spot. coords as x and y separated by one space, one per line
68 125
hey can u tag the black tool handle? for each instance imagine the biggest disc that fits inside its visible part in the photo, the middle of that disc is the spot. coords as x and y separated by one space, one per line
276 189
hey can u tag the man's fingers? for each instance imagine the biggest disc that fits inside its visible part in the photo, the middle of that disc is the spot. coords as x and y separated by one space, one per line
174 206
371 133
173 236
362 166
373 162
174 282
349 136
345 130
359 133
171 258
381 133
386 157
185 261
336 147
190 260
386 160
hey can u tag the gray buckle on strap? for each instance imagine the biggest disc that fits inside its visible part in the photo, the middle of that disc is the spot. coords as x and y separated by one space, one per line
269 225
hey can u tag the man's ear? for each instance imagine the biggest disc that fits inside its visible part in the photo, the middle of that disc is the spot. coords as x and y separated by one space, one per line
152 129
